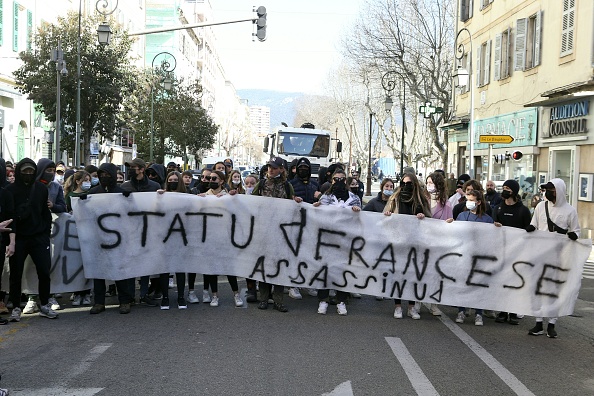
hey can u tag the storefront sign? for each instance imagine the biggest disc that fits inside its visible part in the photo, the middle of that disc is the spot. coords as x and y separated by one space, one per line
568 119
521 126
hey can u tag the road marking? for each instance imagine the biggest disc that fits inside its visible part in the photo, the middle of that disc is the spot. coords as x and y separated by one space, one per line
56 392
85 364
415 375
506 376
344 389
588 272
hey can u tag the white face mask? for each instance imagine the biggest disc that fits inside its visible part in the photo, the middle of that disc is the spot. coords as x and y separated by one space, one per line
431 189
235 182
471 205
248 190
59 178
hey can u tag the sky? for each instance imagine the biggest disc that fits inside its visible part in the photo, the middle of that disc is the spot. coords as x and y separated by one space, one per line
302 45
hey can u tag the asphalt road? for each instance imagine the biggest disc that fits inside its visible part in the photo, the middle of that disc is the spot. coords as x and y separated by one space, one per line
245 351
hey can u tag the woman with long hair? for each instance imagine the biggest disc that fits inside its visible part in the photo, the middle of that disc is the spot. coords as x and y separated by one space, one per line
438 196
234 181
377 204
409 199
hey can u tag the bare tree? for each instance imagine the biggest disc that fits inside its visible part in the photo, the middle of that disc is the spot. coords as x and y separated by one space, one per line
413 38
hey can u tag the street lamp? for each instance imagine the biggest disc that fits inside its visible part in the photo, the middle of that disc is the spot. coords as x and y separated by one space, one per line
166 67
58 58
464 77
389 83
368 193
103 36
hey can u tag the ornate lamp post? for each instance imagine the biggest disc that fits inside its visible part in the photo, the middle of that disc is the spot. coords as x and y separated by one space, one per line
464 77
166 67
389 83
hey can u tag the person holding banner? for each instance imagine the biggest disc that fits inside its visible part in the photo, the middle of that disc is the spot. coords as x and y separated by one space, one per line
377 204
251 294
337 195
477 212
409 199
108 178
511 212
7 241
32 226
275 186
554 214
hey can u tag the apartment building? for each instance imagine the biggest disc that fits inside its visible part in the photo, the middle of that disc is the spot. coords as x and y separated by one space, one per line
532 79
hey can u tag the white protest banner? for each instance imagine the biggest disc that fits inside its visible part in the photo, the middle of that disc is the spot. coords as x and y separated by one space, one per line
283 242
66 272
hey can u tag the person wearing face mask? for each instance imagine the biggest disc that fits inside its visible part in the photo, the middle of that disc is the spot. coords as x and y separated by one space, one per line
156 173
46 171
309 191
470 185
361 187
250 182
492 197
477 212
458 195
251 295
409 199
554 214
92 170
108 176
378 203
438 198
32 227
7 239
204 184
511 212
234 181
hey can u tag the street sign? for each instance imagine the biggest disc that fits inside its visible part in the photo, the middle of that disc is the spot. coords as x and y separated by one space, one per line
496 139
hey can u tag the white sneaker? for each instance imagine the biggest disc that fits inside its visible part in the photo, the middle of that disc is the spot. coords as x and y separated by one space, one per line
86 300
294 293
54 303
192 299
238 300
31 307
398 313
312 292
205 296
414 313
478 320
171 286
356 295
77 301
323 308
15 316
435 311
461 316
214 302
48 312
341 308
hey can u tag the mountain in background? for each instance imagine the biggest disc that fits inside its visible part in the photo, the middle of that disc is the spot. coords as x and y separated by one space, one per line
282 104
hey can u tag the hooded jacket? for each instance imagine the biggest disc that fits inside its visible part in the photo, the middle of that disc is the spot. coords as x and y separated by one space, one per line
113 187
144 185
6 202
516 215
305 188
55 189
560 212
32 216
377 204
161 173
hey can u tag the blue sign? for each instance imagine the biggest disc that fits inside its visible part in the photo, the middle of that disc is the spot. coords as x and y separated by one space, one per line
521 125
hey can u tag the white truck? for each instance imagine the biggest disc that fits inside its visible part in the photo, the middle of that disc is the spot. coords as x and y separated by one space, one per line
293 143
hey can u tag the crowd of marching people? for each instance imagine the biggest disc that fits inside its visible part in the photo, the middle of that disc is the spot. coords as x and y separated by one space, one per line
31 192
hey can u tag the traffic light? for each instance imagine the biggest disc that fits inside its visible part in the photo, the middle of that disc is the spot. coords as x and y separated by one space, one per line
261 23
517 155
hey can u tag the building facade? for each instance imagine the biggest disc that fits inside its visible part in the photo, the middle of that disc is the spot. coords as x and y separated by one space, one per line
532 79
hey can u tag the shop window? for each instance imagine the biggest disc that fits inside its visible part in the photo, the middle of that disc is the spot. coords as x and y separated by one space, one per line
501 55
483 58
568 23
528 42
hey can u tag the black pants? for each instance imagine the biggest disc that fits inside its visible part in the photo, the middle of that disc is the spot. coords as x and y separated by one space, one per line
181 284
340 295
213 282
38 247
123 287
277 293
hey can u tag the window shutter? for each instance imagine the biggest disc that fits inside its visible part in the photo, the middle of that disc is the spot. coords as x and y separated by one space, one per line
463 10
470 7
487 76
479 81
537 34
29 30
497 58
520 44
15 27
507 62
568 22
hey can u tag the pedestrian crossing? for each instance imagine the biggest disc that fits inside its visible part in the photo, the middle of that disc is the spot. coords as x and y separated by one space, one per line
588 270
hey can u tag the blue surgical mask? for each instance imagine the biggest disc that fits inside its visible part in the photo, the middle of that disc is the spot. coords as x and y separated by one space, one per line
94 181
85 186
387 193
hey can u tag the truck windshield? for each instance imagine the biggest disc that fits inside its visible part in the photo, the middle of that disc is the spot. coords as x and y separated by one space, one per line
303 144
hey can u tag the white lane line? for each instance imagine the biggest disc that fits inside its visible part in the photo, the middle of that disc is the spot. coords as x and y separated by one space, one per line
344 389
415 375
85 364
506 376
56 392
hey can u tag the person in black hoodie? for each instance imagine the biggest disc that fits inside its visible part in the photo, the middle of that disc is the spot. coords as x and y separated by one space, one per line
156 173
33 222
7 241
511 213
108 175
305 187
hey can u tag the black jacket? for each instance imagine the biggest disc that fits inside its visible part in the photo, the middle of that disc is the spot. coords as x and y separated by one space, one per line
516 215
32 216
304 188
55 190
6 202
493 199
143 185
376 204
113 187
